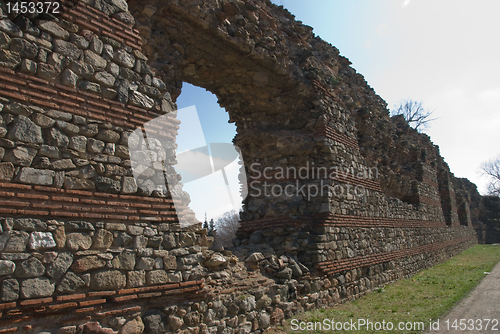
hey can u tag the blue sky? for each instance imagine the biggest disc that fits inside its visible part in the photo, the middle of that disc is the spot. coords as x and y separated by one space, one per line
444 53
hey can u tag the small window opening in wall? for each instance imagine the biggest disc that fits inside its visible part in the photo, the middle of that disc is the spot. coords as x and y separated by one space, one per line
207 160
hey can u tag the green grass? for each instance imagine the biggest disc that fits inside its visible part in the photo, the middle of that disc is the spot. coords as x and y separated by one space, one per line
429 294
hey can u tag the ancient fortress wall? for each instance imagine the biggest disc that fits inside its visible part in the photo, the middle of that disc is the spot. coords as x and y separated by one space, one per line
87 248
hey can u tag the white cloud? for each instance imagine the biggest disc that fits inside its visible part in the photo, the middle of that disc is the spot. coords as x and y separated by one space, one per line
405 3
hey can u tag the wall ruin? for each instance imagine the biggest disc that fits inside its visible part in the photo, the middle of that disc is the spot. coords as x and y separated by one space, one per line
88 248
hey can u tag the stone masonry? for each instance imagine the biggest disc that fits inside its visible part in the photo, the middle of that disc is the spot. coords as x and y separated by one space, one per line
87 248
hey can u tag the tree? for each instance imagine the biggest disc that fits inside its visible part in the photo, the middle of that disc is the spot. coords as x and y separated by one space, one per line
227 225
492 170
414 113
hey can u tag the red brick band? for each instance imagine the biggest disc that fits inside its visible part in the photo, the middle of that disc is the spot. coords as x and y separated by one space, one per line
332 267
22 199
94 301
32 90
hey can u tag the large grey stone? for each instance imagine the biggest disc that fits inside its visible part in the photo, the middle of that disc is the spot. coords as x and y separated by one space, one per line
123 58
10 290
29 224
140 100
69 78
67 49
125 260
6 171
37 288
22 156
19 109
4 40
41 240
10 28
63 164
57 138
108 136
49 151
25 130
95 146
78 184
95 60
88 263
105 79
102 239
129 185
9 59
47 71
71 283
24 48
65 116
36 176
157 277
32 267
7 267
78 241
108 280
42 120
82 69
54 29
17 242
90 86
60 265
78 143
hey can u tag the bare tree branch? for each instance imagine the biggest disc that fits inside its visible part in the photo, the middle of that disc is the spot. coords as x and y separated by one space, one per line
414 113
492 170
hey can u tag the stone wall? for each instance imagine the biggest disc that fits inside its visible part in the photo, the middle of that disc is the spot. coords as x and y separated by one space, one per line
89 247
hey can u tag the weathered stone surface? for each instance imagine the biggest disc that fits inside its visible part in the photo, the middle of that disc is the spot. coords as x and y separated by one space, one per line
57 138
82 69
105 79
79 226
78 143
157 277
95 60
25 130
90 86
54 29
78 241
22 156
29 268
71 283
134 326
123 58
108 280
24 48
7 267
9 59
42 120
60 265
108 136
47 71
107 184
6 171
10 290
29 224
63 164
125 260
29 66
36 176
95 146
19 109
41 240
78 184
37 288
67 49
141 100
88 263
102 239
136 278
17 242
10 28
69 78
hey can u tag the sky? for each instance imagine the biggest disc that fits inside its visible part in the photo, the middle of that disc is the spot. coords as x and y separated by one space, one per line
443 53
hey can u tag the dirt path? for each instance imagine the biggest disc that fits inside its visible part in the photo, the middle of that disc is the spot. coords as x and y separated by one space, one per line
483 303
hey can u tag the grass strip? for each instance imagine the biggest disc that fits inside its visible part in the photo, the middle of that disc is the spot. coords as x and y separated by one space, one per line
427 295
